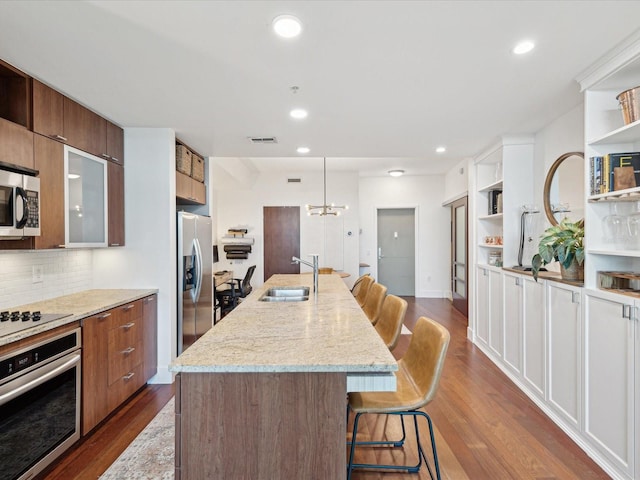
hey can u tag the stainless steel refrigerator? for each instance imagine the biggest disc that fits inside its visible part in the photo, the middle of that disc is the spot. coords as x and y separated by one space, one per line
195 281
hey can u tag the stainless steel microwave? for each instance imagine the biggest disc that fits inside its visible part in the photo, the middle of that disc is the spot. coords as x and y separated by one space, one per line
19 205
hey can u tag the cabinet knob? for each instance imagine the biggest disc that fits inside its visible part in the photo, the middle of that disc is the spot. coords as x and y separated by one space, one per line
127 326
115 159
149 299
128 307
128 376
127 351
102 317
106 156
114 244
59 137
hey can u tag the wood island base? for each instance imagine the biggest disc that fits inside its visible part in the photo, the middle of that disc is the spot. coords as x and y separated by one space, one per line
260 425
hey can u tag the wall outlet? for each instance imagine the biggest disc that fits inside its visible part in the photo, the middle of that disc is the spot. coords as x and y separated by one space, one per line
37 272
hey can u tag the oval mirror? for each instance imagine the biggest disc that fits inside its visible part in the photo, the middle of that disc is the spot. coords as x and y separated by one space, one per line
563 193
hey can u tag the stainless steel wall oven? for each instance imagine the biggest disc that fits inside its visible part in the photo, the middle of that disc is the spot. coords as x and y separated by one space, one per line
39 404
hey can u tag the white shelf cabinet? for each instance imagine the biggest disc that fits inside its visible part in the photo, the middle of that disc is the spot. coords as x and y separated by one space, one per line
513 312
609 359
534 349
564 334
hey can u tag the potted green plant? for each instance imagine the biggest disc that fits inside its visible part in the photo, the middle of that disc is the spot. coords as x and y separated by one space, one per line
562 243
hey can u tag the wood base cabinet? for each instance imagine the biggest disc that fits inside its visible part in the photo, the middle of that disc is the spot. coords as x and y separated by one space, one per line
115 348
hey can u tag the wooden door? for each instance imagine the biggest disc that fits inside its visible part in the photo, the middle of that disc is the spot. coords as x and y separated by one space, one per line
459 256
281 227
49 161
48 111
115 179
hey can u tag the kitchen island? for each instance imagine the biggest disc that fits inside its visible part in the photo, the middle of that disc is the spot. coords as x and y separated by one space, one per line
262 395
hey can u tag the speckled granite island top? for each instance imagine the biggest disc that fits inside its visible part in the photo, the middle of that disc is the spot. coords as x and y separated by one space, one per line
327 334
78 305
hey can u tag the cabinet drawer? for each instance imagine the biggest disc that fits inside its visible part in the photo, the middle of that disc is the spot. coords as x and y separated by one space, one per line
122 360
125 385
125 314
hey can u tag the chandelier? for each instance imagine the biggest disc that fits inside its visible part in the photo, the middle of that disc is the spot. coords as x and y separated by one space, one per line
325 209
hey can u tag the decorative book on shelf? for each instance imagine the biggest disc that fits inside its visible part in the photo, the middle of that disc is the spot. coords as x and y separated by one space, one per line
495 202
614 171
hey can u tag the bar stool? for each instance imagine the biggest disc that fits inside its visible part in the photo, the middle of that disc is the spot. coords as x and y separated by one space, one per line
365 284
418 376
373 302
390 320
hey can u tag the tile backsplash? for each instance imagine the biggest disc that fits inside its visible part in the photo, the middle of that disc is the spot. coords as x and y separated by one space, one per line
62 272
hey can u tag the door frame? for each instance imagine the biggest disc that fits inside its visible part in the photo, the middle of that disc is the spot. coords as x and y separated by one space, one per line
416 229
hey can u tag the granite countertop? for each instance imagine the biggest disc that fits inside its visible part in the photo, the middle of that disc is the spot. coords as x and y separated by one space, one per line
79 305
327 334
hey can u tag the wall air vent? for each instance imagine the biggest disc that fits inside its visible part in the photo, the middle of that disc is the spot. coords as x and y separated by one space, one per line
260 140
294 180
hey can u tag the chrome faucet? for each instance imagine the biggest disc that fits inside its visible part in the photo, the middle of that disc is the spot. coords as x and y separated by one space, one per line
313 265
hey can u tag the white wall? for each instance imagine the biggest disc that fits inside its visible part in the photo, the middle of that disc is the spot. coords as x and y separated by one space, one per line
240 196
565 134
64 272
456 181
149 258
425 193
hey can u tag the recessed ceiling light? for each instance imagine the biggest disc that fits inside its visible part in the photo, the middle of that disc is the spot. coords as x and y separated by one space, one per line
396 173
441 149
298 113
303 150
523 47
287 26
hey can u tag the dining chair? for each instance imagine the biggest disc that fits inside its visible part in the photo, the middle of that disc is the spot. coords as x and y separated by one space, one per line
418 376
373 301
390 320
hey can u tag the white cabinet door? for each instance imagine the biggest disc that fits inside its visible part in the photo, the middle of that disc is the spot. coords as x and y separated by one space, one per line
482 303
496 337
513 321
564 339
533 335
609 376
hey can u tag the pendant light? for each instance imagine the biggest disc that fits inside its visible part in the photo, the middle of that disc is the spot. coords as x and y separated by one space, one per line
325 209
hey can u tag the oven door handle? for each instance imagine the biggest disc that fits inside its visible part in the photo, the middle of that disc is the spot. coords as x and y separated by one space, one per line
44 374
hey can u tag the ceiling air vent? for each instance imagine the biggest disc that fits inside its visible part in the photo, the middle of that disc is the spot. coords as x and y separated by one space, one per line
294 180
260 140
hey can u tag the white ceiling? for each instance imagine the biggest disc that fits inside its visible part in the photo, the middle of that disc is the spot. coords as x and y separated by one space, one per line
390 80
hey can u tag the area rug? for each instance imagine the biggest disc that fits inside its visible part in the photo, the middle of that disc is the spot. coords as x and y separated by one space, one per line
151 454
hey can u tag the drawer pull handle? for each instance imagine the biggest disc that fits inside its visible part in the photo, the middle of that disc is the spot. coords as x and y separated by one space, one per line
115 159
127 351
127 326
114 244
105 155
102 317
59 137
128 307
128 376
149 299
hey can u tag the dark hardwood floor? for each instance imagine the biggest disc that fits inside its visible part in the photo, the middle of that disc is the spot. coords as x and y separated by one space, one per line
486 429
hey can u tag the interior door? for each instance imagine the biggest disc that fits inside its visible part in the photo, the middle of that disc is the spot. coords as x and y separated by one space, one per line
281 227
396 250
459 283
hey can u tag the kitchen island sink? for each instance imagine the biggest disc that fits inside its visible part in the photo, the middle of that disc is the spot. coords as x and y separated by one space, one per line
287 368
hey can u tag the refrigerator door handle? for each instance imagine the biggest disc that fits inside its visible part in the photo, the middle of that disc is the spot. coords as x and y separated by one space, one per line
199 272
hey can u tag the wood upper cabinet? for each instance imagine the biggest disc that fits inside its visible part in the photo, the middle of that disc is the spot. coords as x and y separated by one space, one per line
16 144
115 180
85 129
115 143
48 111
49 161
190 191
65 120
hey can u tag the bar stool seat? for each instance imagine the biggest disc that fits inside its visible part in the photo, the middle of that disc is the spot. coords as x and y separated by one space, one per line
418 376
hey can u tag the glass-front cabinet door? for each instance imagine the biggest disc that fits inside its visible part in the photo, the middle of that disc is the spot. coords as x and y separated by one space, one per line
85 199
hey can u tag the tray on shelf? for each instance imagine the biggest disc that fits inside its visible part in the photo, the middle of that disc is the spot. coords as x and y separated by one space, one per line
627 283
